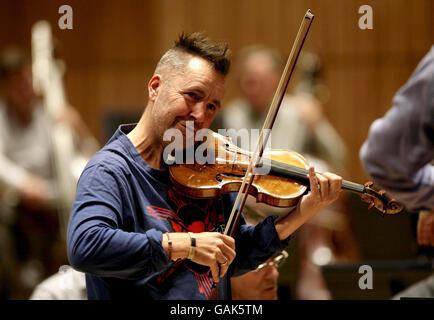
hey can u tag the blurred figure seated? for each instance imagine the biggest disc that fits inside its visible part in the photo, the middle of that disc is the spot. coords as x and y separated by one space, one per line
259 284
29 196
67 284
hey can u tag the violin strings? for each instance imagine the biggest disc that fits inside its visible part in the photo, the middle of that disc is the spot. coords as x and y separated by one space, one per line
298 173
301 173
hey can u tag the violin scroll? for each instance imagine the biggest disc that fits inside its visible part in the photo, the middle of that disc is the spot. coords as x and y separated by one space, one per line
379 199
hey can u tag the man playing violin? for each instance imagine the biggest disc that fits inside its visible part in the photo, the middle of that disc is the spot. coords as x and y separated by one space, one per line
134 235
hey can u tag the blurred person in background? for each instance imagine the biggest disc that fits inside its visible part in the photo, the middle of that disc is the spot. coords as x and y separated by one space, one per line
300 126
398 154
67 284
28 217
262 283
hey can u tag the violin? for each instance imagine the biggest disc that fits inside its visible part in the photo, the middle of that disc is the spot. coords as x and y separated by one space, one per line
283 186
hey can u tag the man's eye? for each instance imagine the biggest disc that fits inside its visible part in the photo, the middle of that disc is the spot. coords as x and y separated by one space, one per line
212 107
192 95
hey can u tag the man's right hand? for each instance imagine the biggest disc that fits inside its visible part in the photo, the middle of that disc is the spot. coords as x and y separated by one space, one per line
213 249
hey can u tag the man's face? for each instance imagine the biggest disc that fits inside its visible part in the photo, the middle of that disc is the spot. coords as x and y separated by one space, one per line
256 285
19 90
192 95
258 81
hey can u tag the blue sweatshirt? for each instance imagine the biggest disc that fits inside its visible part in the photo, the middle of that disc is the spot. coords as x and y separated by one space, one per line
121 210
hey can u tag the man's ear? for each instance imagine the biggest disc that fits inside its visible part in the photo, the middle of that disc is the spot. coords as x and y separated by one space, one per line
154 86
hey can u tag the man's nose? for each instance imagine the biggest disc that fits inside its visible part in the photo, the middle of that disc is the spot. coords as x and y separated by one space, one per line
198 113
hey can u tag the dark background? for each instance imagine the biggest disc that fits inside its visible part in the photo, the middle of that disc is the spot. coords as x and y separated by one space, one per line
113 47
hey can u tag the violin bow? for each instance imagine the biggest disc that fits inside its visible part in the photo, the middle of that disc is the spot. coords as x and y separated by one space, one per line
269 122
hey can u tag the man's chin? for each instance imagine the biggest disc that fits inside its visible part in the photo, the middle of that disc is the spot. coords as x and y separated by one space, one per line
270 293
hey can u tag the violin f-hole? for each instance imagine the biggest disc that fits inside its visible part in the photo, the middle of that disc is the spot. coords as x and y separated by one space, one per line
227 174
